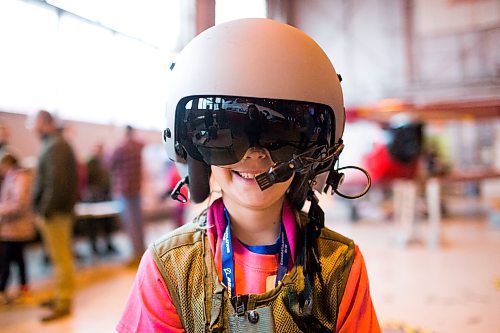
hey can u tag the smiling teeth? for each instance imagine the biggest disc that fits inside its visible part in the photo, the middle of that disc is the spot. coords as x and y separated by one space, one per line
247 175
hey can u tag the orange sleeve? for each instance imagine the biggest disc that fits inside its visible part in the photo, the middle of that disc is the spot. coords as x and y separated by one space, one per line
356 312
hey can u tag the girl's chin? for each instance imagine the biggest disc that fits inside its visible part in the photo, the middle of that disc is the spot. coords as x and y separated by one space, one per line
254 198
253 203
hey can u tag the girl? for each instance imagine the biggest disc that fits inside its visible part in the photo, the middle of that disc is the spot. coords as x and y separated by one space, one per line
252 261
16 222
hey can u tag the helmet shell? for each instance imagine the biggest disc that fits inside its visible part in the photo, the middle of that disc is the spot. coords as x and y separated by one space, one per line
258 58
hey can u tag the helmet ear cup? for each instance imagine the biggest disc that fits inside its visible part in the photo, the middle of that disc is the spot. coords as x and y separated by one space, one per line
199 180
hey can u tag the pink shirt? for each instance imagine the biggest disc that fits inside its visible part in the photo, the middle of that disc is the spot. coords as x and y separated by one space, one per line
150 309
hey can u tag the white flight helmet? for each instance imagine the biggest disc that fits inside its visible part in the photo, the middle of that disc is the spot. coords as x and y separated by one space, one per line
257 58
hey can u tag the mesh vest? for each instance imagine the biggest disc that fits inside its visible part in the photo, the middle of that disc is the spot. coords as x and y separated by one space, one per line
186 263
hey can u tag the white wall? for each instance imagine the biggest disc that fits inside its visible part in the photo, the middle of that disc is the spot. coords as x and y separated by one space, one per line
454 46
364 40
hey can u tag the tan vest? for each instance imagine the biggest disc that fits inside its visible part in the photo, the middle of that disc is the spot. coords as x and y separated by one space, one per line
186 263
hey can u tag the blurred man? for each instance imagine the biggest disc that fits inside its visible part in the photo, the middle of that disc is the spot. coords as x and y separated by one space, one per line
54 196
98 189
126 177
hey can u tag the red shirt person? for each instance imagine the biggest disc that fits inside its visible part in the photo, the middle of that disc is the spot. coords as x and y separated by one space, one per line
125 165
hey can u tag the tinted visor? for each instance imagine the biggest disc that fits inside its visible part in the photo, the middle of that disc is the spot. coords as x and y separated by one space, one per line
219 129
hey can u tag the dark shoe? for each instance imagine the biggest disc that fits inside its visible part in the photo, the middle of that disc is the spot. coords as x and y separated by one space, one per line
48 303
111 249
56 313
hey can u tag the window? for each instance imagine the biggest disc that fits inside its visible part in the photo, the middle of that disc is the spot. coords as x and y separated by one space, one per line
83 70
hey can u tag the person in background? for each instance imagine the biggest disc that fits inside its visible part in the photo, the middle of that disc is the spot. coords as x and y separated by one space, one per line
400 156
5 148
55 192
125 165
98 189
16 223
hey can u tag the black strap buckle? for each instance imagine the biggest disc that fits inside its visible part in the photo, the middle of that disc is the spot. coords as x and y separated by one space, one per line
239 303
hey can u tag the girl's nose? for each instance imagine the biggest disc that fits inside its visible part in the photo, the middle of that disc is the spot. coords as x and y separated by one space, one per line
256 153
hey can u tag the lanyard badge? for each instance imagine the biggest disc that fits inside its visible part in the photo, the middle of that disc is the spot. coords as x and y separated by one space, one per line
228 273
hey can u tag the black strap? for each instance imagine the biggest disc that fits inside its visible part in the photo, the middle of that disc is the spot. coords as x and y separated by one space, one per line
300 305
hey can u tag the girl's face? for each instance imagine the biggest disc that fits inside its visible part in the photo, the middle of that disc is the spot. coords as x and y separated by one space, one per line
238 184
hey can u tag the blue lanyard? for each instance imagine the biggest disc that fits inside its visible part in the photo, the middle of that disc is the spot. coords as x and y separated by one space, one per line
228 256
263 249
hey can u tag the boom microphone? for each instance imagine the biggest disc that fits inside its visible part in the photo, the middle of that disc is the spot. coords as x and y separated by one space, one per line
302 163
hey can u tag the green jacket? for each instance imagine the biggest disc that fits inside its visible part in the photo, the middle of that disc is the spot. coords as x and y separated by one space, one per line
187 266
55 188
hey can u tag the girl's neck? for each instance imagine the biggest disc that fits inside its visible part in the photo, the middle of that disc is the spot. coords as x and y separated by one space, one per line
255 226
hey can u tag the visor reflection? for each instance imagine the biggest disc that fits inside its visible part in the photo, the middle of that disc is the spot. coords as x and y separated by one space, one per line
219 129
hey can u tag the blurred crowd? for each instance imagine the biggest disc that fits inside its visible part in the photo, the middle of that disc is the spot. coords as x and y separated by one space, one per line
40 202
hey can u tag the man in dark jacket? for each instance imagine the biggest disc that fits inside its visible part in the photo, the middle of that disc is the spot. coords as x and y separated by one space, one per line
54 197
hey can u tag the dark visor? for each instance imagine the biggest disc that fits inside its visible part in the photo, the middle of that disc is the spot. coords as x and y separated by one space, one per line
219 129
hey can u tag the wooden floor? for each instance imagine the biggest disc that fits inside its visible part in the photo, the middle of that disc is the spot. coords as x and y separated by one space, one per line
451 289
